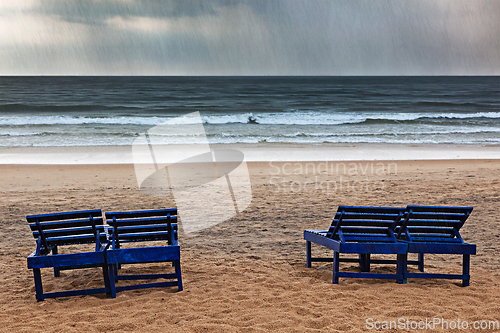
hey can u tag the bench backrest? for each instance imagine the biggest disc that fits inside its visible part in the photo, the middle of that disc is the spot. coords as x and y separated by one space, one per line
68 228
433 223
146 225
365 224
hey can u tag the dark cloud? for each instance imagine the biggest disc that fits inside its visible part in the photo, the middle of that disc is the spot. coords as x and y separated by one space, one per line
96 11
259 37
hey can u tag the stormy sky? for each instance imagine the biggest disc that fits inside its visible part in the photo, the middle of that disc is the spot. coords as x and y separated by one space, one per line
249 37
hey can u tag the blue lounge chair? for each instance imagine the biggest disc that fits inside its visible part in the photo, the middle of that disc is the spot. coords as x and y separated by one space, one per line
364 231
69 228
435 229
143 226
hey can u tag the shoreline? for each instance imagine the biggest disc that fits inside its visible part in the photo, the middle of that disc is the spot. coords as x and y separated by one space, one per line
83 155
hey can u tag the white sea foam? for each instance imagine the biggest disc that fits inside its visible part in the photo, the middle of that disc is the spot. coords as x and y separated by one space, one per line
286 118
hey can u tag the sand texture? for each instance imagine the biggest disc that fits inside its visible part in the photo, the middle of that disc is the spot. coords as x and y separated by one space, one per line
249 274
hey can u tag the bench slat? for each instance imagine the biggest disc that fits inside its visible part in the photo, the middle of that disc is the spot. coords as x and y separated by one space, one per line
64 215
73 240
430 230
143 213
361 223
432 223
141 228
376 217
66 224
368 239
437 216
68 232
457 210
140 237
361 230
379 210
135 222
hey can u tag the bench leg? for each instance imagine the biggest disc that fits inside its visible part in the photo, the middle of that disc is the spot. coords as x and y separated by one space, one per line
336 260
178 272
364 262
308 254
115 271
38 284
402 263
56 270
112 286
107 283
421 262
466 270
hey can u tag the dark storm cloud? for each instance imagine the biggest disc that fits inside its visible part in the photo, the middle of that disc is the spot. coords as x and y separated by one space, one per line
95 11
254 37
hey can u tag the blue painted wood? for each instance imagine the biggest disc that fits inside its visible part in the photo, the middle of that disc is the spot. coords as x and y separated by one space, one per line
372 261
466 270
142 229
366 238
363 231
336 267
143 255
38 284
177 266
148 285
141 213
364 262
440 209
374 248
442 248
79 292
430 239
144 221
366 223
65 260
112 270
369 275
67 228
48 225
402 263
437 276
64 215
139 226
145 236
308 254
421 262
56 270
69 232
147 276
435 229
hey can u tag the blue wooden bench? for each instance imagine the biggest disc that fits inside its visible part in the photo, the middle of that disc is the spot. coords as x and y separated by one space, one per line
435 229
143 226
69 228
363 231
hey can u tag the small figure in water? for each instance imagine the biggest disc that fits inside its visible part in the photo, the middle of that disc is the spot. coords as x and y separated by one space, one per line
252 120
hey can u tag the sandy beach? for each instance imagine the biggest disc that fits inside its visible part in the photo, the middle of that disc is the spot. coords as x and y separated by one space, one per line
249 274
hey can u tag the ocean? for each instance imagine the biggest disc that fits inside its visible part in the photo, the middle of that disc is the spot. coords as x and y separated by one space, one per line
102 111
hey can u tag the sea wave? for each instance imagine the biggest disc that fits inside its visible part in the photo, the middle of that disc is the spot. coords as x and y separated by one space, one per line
285 118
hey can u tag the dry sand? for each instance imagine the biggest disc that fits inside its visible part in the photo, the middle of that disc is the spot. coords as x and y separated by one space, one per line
248 274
